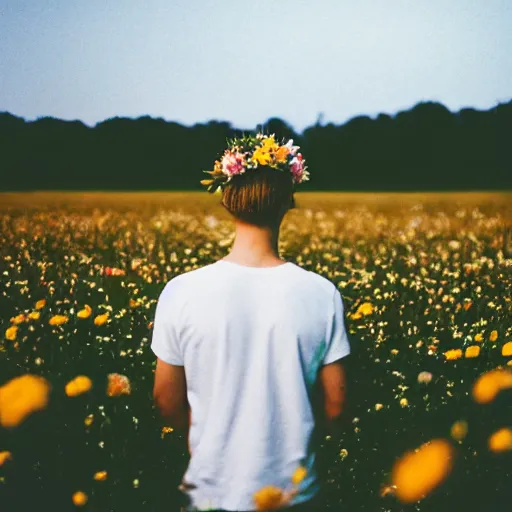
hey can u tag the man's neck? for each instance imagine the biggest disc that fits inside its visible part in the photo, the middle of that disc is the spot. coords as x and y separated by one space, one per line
255 245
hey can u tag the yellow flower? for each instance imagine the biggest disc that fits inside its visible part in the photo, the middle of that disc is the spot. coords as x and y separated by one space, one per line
281 154
506 350
165 431
356 316
11 333
22 396
58 320
78 385
366 308
501 440
4 457
479 337
85 313
101 319
419 472
453 354
100 476
459 430
299 475
488 385
404 402
18 319
268 498
472 351
493 336
118 385
34 315
89 420
40 304
261 156
79 499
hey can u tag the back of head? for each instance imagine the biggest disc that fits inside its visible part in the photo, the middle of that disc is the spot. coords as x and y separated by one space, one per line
260 197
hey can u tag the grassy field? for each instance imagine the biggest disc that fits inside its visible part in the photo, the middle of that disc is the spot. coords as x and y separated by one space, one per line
420 275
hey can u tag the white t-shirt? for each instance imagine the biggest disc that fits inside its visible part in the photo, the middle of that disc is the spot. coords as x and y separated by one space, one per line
252 340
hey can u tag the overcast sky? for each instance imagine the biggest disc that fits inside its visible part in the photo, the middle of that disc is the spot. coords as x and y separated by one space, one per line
247 60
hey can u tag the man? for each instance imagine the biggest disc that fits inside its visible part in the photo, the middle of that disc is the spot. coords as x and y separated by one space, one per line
245 344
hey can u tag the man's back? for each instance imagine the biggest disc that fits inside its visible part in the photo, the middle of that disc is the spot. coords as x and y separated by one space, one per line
252 340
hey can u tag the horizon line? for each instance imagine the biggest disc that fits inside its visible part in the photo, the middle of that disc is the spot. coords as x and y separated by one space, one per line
319 116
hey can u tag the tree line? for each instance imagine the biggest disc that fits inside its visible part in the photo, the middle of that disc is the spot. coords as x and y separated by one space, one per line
424 148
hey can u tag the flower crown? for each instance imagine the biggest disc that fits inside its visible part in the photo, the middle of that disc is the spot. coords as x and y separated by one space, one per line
249 152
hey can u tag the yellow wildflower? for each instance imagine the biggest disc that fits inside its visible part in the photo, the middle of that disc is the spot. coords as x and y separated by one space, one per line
4 457
58 320
79 499
79 385
493 336
488 385
501 440
40 304
34 315
479 337
506 350
366 308
89 420
261 156
101 319
419 472
472 351
404 402
22 396
11 333
453 354
18 319
100 476
85 313
299 475
118 385
165 431
459 430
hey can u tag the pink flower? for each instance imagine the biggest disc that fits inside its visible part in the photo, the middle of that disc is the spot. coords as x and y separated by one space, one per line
298 168
291 148
233 163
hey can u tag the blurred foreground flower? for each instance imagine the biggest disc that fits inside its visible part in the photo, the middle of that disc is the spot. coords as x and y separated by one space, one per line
419 472
506 350
18 319
270 498
493 336
22 396
488 385
4 457
459 430
118 385
299 475
58 320
79 499
77 386
85 313
11 333
501 440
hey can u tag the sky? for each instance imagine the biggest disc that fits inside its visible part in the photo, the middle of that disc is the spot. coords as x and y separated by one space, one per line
244 61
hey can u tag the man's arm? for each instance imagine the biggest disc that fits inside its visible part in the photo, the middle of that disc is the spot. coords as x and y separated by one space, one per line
332 394
170 395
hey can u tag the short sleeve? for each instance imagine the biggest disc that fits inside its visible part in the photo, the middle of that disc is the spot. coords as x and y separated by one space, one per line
165 342
337 340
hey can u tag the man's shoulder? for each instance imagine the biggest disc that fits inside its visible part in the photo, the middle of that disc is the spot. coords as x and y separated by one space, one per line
187 280
315 281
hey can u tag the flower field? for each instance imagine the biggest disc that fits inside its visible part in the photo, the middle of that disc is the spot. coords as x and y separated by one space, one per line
427 286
